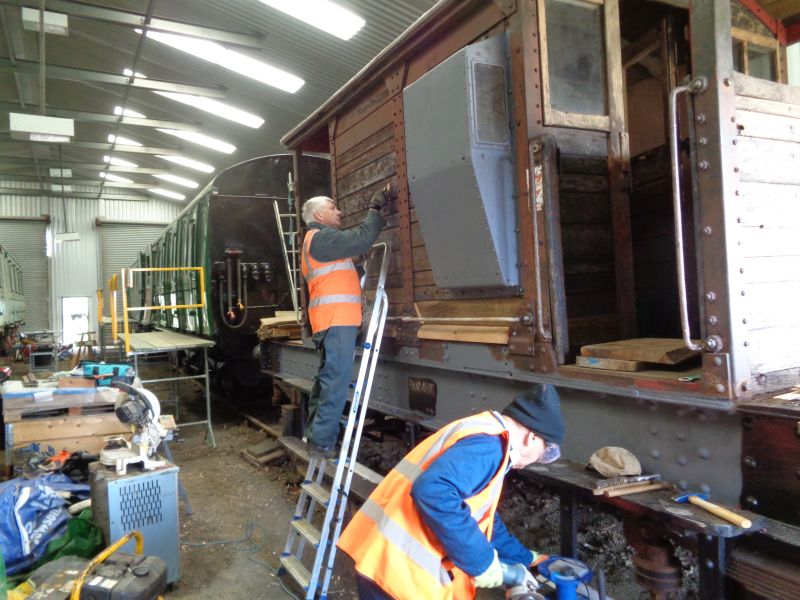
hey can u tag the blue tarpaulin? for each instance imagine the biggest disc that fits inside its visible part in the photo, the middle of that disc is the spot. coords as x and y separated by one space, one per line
31 514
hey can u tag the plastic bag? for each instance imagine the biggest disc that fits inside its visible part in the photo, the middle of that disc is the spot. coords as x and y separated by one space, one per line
31 514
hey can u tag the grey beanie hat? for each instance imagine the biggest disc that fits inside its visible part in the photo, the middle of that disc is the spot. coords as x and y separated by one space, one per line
539 409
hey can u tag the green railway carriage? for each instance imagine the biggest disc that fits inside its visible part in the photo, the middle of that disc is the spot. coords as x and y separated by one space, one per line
230 231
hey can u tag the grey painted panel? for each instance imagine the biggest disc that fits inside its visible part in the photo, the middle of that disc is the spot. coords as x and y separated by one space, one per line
25 240
460 167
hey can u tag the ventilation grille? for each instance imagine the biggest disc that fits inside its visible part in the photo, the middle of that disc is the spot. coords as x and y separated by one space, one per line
140 505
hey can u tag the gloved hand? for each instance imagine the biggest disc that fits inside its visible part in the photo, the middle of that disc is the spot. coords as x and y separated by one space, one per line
537 558
492 577
381 198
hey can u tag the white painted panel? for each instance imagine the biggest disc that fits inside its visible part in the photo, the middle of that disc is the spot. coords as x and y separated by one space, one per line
769 161
793 53
770 205
767 269
766 126
774 349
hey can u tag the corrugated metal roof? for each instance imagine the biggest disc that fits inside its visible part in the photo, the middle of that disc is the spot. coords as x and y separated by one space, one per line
322 60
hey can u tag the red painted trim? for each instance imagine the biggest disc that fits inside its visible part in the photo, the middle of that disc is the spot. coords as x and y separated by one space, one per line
792 33
754 7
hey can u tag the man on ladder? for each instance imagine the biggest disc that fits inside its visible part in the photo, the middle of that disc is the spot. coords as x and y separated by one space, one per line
334 308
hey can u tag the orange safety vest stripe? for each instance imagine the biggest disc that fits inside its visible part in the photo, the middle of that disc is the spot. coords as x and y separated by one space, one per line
334 290
390 543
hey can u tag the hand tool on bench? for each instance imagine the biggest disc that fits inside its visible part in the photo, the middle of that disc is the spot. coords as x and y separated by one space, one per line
602 485
636 489
701 500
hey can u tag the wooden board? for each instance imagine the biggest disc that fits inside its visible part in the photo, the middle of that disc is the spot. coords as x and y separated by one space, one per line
49 430
481 334
661 351
610 364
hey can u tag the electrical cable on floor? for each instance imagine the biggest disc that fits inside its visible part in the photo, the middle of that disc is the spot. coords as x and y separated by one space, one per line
249 547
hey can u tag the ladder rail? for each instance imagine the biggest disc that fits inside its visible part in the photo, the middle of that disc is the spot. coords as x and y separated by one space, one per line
365 371
325 550
351 462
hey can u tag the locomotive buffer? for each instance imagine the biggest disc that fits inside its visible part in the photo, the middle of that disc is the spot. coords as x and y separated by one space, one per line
314 495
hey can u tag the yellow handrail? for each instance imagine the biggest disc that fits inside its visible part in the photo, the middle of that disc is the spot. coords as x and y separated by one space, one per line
76 587
112 287
127 281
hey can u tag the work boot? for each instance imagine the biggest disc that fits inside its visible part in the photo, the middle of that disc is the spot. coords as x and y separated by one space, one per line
322 451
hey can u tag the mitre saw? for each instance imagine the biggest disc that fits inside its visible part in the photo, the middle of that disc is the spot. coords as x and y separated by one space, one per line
140 409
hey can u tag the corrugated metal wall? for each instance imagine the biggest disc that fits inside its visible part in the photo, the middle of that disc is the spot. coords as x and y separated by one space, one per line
75 266
25 240
120 244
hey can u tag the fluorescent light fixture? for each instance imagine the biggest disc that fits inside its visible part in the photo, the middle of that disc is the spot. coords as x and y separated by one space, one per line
117 178
55 23
188 162
113 160
167 193
230 59
177 180
322 14
122 141
60 172
38 128
127 112
200 139
129 72
220 109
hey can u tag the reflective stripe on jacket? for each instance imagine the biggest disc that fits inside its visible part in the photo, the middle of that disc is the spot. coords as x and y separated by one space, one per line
390 543
333 288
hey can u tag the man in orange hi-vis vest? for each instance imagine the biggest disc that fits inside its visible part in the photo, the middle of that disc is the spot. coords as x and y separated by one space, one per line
334 308
431 529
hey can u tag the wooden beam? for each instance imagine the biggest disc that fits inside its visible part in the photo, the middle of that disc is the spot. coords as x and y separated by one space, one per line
641 48
481 334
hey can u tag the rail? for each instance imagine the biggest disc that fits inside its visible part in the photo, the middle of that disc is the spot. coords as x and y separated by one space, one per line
127 279
693 87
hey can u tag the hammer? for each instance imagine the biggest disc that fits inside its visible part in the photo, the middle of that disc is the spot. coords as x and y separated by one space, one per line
701 500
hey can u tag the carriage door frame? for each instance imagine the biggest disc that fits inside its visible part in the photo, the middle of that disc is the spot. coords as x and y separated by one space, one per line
725 363
614 125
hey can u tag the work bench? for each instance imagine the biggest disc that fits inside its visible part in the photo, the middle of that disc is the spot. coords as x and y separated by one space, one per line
574 482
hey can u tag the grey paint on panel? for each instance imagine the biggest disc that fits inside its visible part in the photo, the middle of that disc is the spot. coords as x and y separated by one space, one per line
460 167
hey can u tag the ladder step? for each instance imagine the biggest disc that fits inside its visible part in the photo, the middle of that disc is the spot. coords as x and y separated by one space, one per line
296 569
317 492
308 531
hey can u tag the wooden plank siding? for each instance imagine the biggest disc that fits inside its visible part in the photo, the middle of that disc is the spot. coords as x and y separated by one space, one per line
366 158
768 119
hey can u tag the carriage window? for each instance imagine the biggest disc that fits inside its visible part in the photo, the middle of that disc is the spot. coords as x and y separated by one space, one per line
761 62
574 54
755 55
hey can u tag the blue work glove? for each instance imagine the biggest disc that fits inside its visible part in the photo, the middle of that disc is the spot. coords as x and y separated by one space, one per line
492 577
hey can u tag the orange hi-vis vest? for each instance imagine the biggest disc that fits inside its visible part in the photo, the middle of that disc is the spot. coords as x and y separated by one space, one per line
334 290
390 543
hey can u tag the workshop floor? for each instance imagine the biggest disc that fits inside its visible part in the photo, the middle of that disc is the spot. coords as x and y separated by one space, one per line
230 499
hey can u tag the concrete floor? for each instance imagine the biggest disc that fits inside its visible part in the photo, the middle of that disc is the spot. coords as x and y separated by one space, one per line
228 496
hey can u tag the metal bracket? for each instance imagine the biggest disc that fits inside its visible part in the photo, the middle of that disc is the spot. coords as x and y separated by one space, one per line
508 7
717 377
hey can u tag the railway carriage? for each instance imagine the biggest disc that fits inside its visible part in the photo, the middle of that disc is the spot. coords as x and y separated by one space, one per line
580 177
231 231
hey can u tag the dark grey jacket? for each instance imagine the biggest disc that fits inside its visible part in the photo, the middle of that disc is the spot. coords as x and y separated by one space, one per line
335 244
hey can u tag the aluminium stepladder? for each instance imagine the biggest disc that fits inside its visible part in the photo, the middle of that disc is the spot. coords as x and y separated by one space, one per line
313 494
